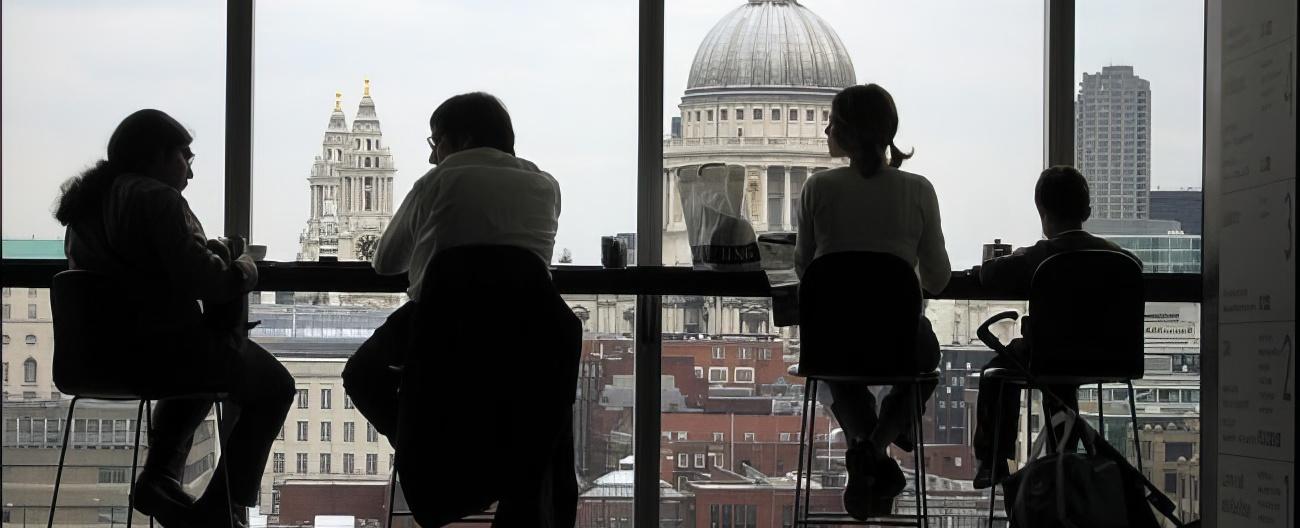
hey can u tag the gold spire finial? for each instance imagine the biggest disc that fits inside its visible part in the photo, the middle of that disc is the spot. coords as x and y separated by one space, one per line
338 101
367 88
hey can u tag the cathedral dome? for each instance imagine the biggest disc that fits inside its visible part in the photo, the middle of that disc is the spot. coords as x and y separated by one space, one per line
771 44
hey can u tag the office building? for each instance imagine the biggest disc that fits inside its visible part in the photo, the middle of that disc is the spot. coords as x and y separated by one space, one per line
1112 141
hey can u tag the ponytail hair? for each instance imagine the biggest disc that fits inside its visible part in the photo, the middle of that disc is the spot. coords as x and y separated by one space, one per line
136 142
865 121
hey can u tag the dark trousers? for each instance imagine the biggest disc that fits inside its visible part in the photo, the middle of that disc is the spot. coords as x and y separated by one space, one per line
259 392
500 448
986 404
854 405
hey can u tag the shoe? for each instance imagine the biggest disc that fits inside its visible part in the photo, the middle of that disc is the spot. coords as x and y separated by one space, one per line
163 498
857 492
907 440
888 479
984 478
215 514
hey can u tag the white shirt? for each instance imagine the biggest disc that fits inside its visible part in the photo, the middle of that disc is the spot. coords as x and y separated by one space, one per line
893 212
479 196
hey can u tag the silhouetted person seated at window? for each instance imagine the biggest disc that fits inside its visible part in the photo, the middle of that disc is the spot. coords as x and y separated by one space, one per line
126 218
1061 196
871 205
479 202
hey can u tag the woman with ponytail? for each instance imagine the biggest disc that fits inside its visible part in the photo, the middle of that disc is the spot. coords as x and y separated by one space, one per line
872 205
126 218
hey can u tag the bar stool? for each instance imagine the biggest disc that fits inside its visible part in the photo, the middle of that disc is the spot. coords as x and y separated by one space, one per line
803 516
1101 289
860 316
86 366
145 407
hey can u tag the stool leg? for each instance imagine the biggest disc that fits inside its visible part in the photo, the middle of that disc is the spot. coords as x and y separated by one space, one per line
58 475
805 430
222 467
392 493
920 473
1133 413
1101 412
993 453
148 411
1048 426
135 464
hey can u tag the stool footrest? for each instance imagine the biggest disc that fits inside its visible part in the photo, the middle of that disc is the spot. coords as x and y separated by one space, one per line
844 519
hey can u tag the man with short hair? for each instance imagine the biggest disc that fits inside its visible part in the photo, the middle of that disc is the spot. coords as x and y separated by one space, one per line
1061 196
503 402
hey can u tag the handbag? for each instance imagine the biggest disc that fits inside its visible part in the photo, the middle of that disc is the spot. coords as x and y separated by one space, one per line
1075 490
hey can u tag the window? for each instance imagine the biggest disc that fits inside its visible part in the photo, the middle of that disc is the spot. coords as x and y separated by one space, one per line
326 431
785 437
301 463
794 114
349 464
719 437
303 399
372 435
722 114
113 476
776 114
745 353
764 354
325 463
29 371
750 437
347 401
372 464
280 436
6 312
744 375
681 436
719 352
30 339
6 372
710 115
717 374
758 114
699 372
326 398
699 460
826 116
812 116
302 430
683 460
31 311
740 114
349 432
277 463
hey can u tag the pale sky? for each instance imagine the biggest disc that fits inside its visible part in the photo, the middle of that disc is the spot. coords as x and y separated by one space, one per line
967 77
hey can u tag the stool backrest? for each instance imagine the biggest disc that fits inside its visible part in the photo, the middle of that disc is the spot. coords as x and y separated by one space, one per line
88 328
1085 315
533 347
858 314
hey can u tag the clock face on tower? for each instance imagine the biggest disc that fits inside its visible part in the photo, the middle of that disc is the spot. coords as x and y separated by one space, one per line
366 245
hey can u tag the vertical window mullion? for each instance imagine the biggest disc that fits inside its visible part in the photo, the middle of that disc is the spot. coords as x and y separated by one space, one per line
646 420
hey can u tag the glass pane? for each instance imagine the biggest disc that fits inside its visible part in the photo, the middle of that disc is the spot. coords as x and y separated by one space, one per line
1138 112
573 106
738 58
1138 106
314 333
66 97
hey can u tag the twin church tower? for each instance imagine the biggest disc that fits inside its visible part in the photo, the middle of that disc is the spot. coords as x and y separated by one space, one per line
351 185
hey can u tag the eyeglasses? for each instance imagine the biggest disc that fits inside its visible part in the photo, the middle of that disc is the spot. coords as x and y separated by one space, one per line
433 143
189 156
